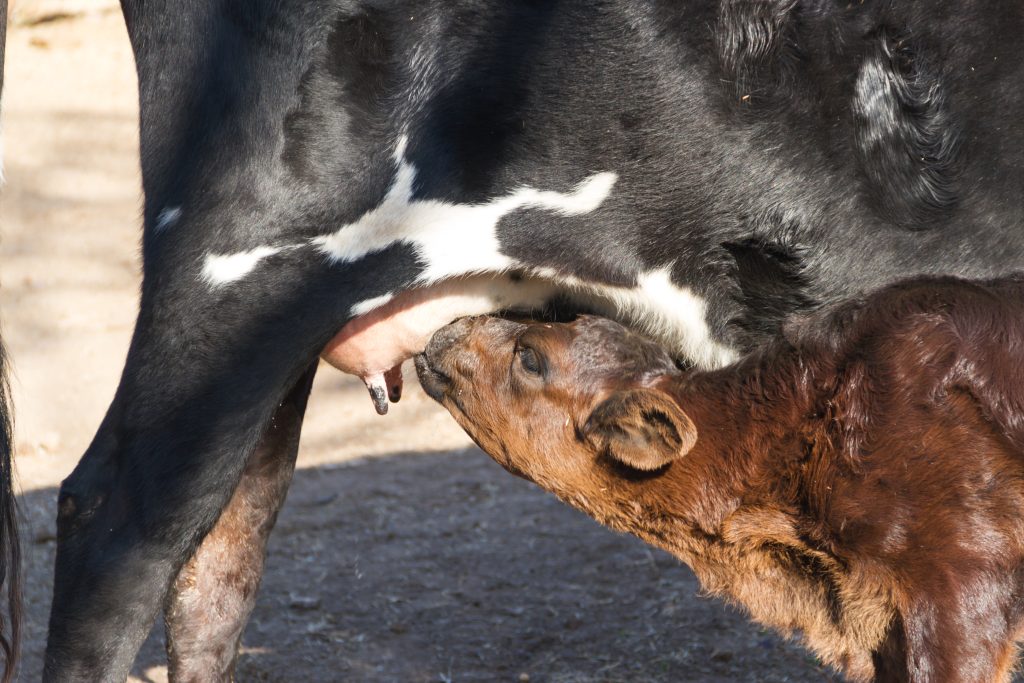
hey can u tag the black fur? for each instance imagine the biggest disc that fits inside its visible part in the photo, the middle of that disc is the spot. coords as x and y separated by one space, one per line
745 158
772 287
757 46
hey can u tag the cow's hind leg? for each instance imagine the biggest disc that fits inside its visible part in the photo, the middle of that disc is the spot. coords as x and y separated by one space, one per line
209 603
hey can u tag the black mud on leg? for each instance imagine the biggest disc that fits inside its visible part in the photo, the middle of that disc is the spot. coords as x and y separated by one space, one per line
209 604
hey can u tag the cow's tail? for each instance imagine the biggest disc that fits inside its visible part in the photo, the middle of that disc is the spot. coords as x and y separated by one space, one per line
10 548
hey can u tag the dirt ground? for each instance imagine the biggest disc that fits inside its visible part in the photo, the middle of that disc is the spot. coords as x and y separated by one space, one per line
403 553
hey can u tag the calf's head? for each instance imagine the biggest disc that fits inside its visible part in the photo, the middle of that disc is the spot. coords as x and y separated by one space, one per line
570 406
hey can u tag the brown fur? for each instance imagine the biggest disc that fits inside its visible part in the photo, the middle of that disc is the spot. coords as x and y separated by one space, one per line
860 482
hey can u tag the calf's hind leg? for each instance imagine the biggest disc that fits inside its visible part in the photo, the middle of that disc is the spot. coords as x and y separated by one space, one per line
210 602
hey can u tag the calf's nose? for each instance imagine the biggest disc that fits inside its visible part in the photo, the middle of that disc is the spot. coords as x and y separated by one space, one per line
432 366
447 337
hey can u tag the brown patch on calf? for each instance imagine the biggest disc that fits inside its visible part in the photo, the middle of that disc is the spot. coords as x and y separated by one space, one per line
860 482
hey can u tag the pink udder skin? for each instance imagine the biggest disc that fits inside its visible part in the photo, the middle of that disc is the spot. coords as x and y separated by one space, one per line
374 345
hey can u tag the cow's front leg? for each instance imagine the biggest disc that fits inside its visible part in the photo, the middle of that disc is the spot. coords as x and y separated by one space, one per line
210 602
206 374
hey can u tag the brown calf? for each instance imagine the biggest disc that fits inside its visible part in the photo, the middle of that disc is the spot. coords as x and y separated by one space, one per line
859 481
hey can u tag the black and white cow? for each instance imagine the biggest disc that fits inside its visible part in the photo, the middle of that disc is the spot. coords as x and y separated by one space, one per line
699 169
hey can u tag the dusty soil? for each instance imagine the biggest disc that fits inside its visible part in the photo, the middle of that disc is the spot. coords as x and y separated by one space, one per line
403 554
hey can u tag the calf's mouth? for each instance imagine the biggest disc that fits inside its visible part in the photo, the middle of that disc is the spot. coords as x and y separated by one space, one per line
432 363
434 382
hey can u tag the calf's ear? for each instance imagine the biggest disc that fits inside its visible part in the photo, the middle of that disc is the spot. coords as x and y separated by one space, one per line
641 428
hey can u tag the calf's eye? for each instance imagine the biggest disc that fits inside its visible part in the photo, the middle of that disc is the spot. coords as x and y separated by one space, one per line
529 360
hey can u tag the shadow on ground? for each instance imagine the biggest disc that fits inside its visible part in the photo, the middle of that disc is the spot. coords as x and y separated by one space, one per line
441 567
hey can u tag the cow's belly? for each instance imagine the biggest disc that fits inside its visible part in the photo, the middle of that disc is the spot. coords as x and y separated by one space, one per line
390 330
454 243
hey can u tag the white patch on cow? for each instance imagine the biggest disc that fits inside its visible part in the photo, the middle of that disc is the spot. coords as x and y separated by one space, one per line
877 101
676 315
425 77
168 217
672 315
451 239
219 270
367 305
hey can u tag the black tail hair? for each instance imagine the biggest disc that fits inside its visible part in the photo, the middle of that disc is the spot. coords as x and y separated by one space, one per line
10 547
